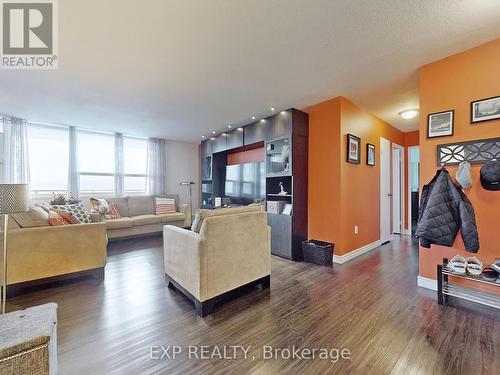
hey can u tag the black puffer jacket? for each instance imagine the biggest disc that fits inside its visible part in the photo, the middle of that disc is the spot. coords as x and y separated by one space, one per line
444 210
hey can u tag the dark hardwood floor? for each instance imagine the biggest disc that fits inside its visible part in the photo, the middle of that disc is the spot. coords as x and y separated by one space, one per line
370 305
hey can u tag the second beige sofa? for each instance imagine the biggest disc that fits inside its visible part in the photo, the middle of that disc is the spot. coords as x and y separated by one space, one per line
139 218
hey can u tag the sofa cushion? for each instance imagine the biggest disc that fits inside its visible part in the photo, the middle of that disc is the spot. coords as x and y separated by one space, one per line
203 213
168 218
35 217
145 219
121 205
175 197
142 205
113 212
123 222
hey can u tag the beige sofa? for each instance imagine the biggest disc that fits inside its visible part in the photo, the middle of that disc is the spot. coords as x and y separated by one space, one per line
231 250
138 217
44 253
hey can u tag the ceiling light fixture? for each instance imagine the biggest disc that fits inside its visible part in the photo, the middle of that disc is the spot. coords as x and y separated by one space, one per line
262 120
273 109
202 137
229 126
253 117
214 132
409 114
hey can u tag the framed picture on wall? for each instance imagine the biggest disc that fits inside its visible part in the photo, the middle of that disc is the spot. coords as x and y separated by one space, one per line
485 109
440 124
353 149
370 154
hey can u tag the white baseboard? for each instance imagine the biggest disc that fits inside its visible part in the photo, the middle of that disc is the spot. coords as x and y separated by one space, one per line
425 282
339 259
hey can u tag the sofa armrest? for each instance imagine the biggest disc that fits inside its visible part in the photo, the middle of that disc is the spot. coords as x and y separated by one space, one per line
186 210
185 259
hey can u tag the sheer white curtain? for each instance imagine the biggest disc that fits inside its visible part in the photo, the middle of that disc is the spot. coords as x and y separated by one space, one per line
157 166
73 170
119 166
15 151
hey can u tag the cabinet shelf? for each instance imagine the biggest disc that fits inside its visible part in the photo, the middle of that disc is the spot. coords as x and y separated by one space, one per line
280 195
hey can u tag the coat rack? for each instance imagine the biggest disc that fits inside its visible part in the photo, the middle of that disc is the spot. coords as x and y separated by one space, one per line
475 152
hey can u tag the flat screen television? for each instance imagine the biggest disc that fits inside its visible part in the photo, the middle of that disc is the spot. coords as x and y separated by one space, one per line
245 183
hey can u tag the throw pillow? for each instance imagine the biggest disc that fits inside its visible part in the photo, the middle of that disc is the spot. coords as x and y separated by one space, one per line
78 210
68 217
112 212
55 219
165 206
99 205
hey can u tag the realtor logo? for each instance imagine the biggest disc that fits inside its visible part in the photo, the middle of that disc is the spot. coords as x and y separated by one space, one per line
29 34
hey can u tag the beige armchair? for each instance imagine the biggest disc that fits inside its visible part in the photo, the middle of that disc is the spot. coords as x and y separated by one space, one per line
231 250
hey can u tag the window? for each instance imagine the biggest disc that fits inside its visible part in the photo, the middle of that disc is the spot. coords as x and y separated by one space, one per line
97 168
48 159
135 157
96 162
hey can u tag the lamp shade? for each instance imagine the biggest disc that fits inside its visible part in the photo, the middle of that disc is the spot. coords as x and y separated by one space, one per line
13 198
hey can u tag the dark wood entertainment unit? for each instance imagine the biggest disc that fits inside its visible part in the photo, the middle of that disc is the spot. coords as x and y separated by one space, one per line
283 138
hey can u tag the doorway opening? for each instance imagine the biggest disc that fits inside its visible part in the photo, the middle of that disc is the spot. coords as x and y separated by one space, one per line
397 189
413 187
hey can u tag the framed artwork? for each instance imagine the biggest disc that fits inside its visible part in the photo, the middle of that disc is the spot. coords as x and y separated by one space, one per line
370 154
353 149
440 124
485 109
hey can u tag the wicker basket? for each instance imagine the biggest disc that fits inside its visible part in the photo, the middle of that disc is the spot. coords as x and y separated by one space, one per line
318 252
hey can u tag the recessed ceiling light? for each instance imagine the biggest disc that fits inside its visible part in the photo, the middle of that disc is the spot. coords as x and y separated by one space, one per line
409 114
229 126
253 117
240 129
283 112
203 137
214 132
262 120
273 109
212 138
224 134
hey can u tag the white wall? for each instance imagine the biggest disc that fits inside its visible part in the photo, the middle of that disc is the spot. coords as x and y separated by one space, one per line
183 165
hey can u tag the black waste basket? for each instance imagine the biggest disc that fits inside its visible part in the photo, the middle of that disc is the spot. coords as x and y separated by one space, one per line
318 252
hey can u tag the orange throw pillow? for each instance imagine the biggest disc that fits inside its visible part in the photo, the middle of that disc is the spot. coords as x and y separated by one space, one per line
112 212
55 219
67 217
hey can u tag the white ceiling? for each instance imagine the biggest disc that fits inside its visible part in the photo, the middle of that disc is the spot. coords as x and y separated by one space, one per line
178 69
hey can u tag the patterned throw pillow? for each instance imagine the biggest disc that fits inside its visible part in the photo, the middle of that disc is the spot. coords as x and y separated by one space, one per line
100 205
165 206
55 219
112 212
67 217
78 210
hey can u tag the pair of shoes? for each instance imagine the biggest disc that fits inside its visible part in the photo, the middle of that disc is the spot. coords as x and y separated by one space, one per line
492 273
460 265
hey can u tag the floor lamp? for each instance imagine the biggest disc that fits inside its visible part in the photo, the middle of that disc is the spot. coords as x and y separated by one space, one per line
13 198
189 183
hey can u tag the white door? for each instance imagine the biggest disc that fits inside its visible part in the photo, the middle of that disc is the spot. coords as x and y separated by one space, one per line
385 190
397 188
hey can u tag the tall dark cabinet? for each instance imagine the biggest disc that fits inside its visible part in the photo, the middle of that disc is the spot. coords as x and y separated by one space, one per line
285 137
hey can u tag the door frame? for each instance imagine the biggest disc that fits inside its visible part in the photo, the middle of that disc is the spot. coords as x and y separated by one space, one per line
389 183
402 189
410 224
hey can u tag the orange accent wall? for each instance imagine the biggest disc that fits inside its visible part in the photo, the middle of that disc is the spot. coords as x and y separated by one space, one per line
452 83
248 156
409 139
341 194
